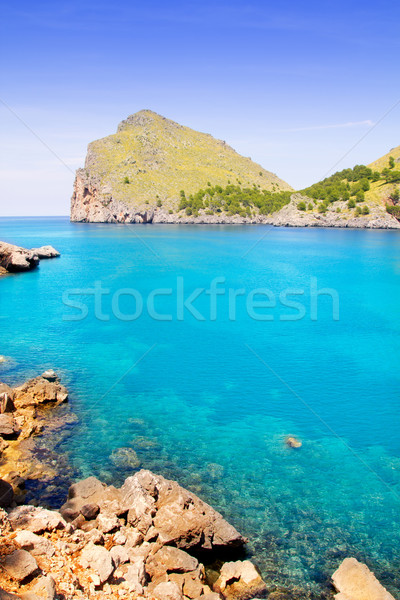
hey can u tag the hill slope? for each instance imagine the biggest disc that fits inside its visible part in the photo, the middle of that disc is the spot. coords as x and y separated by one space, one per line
359 197
137 174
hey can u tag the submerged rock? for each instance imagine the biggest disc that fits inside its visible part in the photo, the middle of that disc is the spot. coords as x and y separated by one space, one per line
354 581
293 442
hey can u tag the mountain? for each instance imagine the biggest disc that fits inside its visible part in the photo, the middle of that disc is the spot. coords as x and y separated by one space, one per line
146 171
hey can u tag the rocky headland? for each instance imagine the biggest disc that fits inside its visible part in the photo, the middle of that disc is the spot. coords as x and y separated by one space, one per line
149 538
15 258
154 170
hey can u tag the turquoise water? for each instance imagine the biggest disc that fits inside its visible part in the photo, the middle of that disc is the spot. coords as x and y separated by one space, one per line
210 402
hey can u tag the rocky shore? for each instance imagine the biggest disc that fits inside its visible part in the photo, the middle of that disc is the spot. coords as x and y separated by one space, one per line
149 539
88 207
14 258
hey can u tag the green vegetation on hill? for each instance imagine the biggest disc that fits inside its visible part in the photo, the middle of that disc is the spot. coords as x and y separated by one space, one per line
150 159
233 200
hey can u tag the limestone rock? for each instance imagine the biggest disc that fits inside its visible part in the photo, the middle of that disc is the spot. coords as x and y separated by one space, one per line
180 517
46 252
14 258
40 391
8 426
19 565
169 559
239 580
90 511
167 591
354 581
35 519
45 588
98 559
119 555
135 575
35 544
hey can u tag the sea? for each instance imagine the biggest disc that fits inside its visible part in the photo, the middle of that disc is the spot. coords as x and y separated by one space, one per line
196 351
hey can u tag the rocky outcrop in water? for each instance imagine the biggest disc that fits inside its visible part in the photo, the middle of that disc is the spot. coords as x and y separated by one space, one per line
25 417
354 581
14 258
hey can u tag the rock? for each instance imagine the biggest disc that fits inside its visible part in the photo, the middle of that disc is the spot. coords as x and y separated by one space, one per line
46 252
135 575
45 588
170 560
6 399
167 591
50 375
210 596
239 580
95 536
119 555
125 458
19 565
354 581
293 442
87 491
35 519
6 493
8 426
14 258
90 511
39 391
35 544
180 517
98 559
8 596
107 524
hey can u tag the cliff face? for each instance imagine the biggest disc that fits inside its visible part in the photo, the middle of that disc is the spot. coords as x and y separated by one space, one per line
136 175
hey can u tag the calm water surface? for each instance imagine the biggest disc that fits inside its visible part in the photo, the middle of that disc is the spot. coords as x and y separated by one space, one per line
210 402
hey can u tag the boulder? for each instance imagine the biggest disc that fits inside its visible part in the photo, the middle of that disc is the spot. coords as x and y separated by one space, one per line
354 581
19 565
45 588
119 555
98 559
8 426
6 493
14 258
35 544
167 590
87 491
107 524
239 580
35 519
170 560
135 576
40 391
180 517
46 252
90 511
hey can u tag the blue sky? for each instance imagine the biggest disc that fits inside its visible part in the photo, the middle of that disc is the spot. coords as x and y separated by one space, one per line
295 85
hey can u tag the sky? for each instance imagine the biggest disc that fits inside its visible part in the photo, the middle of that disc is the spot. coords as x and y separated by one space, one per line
303 88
